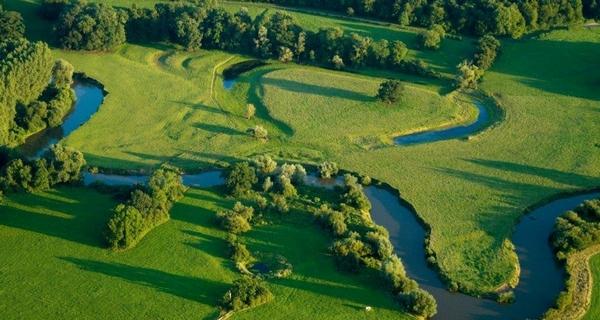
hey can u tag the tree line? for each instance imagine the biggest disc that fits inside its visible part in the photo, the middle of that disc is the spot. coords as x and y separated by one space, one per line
35 90
58 165
510 18
100 27
146 208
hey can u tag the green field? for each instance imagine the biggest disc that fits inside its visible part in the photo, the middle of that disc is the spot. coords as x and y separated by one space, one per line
594 310
165 105
53 253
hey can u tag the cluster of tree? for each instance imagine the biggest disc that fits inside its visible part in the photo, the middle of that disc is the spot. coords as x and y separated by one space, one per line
88 26
469 72
58 165
278 36
239 254
11 24
505 18
35 91
246 292
147 207
390 91
360 243
577 229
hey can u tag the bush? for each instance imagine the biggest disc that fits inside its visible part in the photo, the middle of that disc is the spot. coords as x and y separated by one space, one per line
246 293
577 229
328 169
355 196
487 51
267 184
468 75
419 302
241 178
91 26
390 91
286 187
125 227
259 132
238 219
65 163
280 204
265 165
62 74
429 39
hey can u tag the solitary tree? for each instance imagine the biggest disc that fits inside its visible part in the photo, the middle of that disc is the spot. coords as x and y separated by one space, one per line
259 132
390 91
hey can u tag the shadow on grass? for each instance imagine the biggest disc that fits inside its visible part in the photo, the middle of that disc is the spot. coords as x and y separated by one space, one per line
217 129
73 221
195 289
300 87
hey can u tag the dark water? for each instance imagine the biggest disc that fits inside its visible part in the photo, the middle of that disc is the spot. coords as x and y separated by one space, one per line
89 98
541 278
483 119
228 83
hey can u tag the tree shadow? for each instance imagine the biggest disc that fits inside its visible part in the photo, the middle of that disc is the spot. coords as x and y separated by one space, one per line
568 178
190 288
218 129
301 87
202 107
72 220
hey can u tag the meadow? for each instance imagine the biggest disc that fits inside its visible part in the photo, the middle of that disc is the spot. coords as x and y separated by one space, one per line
594 310
165 105
54 240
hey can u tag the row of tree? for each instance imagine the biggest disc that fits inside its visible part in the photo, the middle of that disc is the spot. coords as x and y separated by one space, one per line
35 90
58 165
499 17
147 207
101 27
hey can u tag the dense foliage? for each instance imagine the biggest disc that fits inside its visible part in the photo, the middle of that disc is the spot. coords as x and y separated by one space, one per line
246 293
577 229
275 36
470 72
506 18
28 102
11 25
58 165
390 91
92 26
146 208
241 178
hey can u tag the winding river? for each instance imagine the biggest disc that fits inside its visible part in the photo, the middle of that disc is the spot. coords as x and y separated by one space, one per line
89 97
541 277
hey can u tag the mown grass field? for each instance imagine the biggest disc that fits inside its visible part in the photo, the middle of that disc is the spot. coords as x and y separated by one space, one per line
54 264
594 310
471 192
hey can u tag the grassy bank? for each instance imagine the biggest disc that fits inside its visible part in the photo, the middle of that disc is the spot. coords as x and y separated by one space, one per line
53 252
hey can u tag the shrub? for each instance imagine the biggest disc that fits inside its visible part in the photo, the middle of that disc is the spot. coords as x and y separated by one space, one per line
468 75
267 184
280 204
355 196
429 39
125 227
390 91
65 163
238 219
419 302
239 253
337 62
285 54
259 132
265 164
328 169
62 74
246 293
91 26
241 178
287 188
250 111
487 50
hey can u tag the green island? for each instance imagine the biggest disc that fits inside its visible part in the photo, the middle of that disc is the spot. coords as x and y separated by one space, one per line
322 121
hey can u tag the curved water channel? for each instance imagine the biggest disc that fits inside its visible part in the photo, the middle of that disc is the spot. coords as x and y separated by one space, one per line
541 278
89 97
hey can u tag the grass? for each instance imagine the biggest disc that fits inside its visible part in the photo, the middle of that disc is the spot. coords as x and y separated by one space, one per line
471 192
594 309
52 252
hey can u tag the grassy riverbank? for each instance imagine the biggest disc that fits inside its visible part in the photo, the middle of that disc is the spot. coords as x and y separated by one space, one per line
53 252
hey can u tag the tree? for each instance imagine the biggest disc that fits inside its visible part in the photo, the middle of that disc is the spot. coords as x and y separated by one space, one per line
265 164
419 302
262 44
62 74
250 111
65 163
125 227
429 39
285 54
11 24
91 26
328 169
246 293
468 75
337 62
267 184
300 45
487 50
238 219
398 52
259 132
280 204
241 178
287 188
390 91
